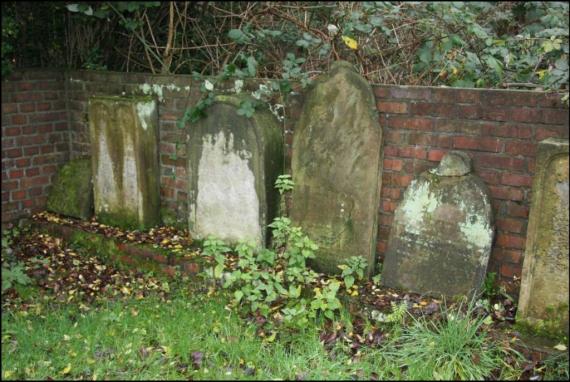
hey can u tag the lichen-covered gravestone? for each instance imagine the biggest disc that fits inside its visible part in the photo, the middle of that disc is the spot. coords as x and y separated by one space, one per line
124 135
442 232
72 191
543 300
336 168
233 162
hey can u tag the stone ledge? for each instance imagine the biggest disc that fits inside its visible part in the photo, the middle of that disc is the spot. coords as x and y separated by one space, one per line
141 257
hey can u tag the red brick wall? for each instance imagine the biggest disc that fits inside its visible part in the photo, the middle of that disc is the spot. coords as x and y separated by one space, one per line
498 129
34 140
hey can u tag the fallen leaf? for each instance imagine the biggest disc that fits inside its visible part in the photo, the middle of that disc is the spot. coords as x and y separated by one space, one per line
67 369
350 42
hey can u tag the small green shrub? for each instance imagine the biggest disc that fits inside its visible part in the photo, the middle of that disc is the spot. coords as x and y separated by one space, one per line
12 270
489 285
354 267
215 248
13 275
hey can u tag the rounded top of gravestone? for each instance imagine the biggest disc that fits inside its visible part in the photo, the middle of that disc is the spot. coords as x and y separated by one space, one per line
454 163
342 65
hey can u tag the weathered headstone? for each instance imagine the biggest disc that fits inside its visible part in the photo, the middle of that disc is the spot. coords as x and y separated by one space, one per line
442 232
543 300
126 175
336 168
72 191
233 162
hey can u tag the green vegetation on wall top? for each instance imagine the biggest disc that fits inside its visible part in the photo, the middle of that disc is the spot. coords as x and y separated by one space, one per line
460 44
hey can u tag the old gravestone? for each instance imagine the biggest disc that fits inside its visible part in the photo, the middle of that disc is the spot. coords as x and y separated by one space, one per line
442 232
543 296
233 163
336 168
72 191
124 135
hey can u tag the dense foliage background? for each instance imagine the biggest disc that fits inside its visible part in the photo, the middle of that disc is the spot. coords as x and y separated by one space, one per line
462 44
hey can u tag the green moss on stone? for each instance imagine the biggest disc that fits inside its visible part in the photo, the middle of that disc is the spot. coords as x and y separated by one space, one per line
108 251
121 218
552 326
72 191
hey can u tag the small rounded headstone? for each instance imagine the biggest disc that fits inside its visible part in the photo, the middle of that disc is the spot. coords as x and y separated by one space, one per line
454 163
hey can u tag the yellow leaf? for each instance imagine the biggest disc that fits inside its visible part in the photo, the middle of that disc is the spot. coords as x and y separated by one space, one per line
8 373
351 43
67 369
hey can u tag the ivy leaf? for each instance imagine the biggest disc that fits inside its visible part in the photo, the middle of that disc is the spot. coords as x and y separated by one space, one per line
238 36
73 7
349 281
218 270
246 108
238 294
251 66
495 65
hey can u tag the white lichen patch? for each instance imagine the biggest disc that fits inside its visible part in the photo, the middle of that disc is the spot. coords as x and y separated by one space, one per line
105 189
145 111
158 90
227 204
476 231
419 202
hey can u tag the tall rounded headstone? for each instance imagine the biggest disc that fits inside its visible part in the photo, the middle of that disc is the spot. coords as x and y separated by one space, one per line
441 237
124 152
233 163
336 166
543 299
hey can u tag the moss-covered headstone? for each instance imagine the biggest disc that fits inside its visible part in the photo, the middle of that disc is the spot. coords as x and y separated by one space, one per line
441 237
72 191
233 162
543 300
336 168
124 136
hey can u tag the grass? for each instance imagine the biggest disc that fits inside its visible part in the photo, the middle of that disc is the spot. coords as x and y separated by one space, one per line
454 348
154 339
181 333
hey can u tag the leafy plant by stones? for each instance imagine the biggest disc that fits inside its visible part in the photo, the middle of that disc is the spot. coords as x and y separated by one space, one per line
13 271
353 270
276 283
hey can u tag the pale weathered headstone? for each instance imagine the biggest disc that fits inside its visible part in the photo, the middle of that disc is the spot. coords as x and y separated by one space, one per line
336 168
442 232
124 146
72 191
543 300
233 163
